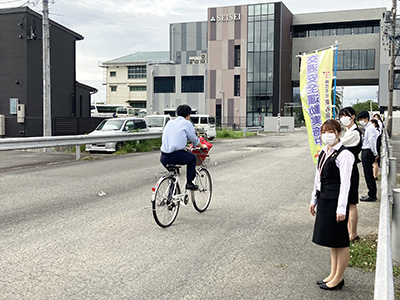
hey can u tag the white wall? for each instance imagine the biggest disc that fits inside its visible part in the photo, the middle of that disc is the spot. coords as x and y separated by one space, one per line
271 123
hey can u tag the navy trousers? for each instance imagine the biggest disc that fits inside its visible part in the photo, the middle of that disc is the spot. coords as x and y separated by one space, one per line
181 157
368 158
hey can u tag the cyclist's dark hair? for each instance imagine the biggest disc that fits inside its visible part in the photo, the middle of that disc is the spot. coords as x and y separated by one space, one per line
363 115
183 110
331 124
347 111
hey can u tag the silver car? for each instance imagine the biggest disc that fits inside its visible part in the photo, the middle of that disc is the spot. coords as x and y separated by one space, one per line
116 126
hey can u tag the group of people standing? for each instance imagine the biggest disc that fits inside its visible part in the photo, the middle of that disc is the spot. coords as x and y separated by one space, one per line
335 195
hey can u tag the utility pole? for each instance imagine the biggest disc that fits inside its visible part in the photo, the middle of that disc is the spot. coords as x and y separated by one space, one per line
46 71
393 52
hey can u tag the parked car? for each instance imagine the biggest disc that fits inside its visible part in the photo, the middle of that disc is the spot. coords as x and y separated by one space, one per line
118 126
157 122
124 112
207 122
200 131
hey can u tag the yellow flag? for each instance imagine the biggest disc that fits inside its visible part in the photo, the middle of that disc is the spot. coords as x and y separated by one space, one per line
315 91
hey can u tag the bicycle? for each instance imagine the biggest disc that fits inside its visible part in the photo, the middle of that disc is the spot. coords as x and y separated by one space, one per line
167 196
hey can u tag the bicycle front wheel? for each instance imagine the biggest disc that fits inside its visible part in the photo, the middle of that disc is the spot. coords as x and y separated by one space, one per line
165 209
202 197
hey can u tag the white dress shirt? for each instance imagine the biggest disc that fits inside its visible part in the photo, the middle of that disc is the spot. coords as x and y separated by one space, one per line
176 134
370 137
351 137
344 161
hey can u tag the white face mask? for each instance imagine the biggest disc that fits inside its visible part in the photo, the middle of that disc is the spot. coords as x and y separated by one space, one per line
362 123
345 121
328 138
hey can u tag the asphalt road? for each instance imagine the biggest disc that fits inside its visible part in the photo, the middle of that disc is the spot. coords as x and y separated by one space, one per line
60 240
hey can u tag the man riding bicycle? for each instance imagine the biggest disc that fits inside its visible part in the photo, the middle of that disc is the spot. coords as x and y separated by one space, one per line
174 139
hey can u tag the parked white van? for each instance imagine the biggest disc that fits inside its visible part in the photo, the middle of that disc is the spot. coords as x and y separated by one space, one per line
157 122
207 122
124 112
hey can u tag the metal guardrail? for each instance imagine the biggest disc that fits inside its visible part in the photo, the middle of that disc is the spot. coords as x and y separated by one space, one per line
72 140
384 287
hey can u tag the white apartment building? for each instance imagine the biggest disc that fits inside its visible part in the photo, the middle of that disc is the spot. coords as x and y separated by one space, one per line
126 77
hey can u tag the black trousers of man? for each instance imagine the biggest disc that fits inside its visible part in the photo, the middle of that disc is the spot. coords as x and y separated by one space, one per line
368 158
181 157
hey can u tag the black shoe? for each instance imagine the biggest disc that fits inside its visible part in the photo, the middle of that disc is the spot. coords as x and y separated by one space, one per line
319 282
192 187
336 287
368 199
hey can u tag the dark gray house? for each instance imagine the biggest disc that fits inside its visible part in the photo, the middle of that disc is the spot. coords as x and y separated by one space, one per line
21 85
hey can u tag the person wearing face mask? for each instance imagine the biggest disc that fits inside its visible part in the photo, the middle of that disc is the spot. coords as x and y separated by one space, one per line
369 155
377 117
375 165
352 140
329 202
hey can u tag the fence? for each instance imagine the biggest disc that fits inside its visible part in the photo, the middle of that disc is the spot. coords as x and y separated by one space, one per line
72 140
60 126
384 287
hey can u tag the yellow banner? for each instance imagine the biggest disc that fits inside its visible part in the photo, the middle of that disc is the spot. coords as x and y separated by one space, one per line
315 91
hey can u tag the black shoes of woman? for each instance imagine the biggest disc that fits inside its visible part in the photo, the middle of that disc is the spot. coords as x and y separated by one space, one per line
336 287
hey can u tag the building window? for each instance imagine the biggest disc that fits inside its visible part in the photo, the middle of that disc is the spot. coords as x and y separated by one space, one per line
192 84
137 88
260 64
13 106
113 88
136 71
113 73
350 60
138 104
164 84
237 85
330 29
237 55
396 80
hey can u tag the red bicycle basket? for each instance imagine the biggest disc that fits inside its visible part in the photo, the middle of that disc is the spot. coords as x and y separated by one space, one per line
200 156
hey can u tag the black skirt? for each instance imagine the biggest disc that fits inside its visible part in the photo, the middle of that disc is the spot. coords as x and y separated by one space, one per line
328 232
354 183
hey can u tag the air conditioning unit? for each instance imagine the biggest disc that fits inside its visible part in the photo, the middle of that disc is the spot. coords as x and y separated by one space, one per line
203 56
196 61
202 61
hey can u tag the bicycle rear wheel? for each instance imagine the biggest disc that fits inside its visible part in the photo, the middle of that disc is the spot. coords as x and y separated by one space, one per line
165 209
201 198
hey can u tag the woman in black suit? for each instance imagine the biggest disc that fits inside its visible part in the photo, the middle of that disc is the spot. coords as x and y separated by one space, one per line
330 197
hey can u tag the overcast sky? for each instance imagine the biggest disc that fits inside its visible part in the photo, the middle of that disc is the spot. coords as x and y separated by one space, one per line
115 28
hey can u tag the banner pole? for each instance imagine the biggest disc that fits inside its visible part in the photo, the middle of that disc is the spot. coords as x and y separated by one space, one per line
334 82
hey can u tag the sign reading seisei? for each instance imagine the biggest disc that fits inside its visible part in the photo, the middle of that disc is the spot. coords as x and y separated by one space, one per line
225 18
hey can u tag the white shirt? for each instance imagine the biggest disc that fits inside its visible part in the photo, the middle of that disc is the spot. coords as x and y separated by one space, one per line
344 161
351 137
176 134
370 137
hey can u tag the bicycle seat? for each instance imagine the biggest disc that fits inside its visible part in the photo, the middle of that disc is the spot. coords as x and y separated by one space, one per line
171 167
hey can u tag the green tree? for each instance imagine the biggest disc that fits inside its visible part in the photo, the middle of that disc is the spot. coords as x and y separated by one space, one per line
365 105
339 102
